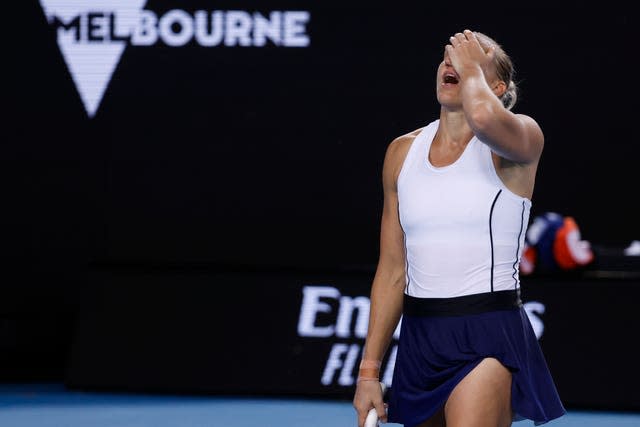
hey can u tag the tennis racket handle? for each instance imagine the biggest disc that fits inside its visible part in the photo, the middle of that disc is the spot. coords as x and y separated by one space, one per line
372 416
372 419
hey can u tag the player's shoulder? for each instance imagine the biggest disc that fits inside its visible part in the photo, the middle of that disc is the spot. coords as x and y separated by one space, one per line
399 146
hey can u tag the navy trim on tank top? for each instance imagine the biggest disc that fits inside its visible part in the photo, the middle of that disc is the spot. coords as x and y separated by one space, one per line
406 262
493 205
515 279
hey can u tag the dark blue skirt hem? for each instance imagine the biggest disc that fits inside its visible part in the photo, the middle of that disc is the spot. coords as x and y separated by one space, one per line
436 353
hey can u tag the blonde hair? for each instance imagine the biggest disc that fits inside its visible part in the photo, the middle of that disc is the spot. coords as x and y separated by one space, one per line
504 69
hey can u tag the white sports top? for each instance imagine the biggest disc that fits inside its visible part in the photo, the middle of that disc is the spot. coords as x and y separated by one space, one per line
464 230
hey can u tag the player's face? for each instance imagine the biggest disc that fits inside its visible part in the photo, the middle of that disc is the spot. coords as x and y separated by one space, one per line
447 83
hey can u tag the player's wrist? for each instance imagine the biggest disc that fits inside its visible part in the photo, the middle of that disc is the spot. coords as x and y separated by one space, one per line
369 370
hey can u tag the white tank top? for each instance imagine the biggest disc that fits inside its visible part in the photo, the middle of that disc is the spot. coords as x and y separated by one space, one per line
464 230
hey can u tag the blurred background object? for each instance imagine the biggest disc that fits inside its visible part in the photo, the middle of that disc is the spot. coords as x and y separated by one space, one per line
553 242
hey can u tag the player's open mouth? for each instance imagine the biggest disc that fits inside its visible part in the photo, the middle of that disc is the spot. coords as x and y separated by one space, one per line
450 78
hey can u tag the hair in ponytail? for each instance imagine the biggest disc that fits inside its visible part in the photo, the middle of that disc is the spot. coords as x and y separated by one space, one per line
510 96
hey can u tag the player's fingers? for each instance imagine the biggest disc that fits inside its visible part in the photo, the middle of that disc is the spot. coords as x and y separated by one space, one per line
361 412
491 52
460 37
381 410
449 49
470 35
471 38
361 417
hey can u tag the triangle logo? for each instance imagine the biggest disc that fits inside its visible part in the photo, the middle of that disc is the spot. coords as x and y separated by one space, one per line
92 37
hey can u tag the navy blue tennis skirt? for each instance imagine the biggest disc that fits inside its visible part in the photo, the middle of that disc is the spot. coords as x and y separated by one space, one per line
443 339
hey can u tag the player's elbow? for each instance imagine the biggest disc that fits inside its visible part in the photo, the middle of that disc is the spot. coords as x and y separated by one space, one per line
392 271
522 152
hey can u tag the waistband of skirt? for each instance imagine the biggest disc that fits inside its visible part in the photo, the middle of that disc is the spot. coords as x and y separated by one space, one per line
463 305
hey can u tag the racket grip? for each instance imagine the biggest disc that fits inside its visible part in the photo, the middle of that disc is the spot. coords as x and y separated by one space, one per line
372 416
372 419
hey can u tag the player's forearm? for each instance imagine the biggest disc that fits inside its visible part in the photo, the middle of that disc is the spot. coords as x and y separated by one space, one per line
504 132
386 308
481 106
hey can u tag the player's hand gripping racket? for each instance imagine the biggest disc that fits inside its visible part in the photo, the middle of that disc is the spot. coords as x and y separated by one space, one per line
372 417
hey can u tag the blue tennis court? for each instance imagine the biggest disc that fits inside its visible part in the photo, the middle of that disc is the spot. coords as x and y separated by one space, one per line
51 405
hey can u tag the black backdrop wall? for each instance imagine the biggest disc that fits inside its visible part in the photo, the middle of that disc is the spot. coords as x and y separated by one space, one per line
272 155
268 155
